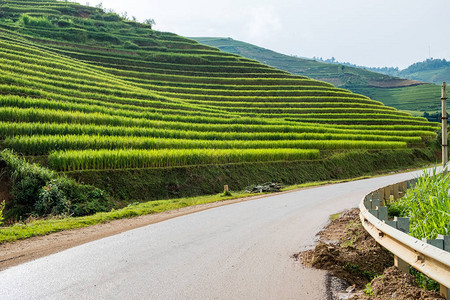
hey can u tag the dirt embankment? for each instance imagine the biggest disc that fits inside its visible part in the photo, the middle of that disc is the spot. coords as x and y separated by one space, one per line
348 252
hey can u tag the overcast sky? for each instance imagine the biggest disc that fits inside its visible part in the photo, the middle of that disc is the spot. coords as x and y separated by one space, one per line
364 32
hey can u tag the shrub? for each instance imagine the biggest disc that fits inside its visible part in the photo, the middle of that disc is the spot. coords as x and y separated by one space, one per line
26 179
52 200
112 17
65 23
130 45
84 199
37 190
29 21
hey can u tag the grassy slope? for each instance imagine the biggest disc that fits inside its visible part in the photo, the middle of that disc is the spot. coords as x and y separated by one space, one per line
407 98
79 78
402 94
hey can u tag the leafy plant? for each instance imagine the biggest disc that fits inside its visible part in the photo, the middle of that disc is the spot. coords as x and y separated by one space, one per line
368 289
52 200
424 281
226 194
2 207
30 21
394 210
38 190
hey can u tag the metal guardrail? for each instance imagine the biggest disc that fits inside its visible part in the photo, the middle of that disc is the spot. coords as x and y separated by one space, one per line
393 235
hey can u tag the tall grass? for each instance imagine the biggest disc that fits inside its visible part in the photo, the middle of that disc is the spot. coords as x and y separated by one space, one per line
118 159
40 144
427 205
14 133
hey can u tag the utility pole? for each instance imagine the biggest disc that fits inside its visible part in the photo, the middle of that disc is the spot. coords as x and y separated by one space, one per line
444 128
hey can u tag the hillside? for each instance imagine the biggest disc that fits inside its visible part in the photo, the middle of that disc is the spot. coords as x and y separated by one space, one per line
405 94
146 115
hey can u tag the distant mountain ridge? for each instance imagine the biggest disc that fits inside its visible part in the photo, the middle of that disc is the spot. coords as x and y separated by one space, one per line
337 74
430 70
414 96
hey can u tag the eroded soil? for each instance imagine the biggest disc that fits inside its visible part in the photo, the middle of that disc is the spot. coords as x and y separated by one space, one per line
394 284
348 252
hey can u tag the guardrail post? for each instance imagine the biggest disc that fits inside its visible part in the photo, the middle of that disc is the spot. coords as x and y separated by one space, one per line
375 203
402 224
442 242
382 213
392 223
368 201
408 184
395 191
381 193
376 196
446 239
387 194
401 264
435 242
374 212
411 183
445 292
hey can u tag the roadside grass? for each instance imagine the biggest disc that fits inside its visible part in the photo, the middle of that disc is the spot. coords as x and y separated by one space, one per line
50 225
428 201
60 223
47 226
335 216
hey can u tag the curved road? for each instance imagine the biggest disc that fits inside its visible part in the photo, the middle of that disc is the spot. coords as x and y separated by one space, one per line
239 251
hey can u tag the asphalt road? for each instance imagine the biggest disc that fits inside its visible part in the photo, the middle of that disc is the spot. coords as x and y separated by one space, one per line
239 251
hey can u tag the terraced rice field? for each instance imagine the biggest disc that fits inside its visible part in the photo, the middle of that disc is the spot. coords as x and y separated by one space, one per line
93 91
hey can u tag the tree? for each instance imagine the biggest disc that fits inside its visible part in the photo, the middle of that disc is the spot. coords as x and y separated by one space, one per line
150 22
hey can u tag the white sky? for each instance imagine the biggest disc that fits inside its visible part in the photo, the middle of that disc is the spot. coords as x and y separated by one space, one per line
363 32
